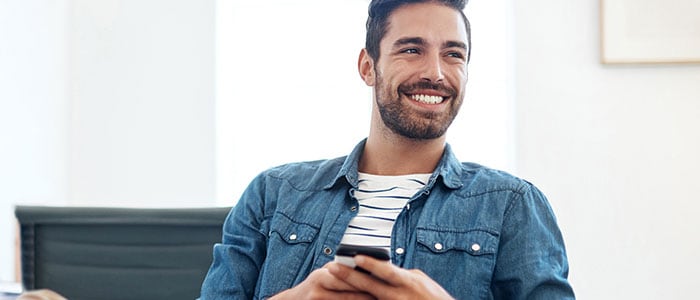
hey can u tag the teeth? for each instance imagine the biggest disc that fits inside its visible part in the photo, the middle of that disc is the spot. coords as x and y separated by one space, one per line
427 99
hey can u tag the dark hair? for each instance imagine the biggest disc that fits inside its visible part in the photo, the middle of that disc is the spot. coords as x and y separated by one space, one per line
378 20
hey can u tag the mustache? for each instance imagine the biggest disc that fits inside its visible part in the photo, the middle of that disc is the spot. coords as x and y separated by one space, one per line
424 85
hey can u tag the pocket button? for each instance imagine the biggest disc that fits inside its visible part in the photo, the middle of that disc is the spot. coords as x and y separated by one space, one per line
476 247
438 246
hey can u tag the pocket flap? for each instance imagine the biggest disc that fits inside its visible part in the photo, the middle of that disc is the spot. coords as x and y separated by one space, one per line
474 242
293 232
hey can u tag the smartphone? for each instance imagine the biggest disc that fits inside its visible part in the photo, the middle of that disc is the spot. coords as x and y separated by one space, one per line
345 253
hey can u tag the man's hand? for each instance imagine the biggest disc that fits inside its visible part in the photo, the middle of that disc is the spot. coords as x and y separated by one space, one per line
388 281
320 284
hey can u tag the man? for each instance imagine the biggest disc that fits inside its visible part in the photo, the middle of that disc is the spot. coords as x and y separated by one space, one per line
454 229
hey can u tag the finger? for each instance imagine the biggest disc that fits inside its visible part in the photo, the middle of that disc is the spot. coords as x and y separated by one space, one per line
361 281
330 282
351 296
383 270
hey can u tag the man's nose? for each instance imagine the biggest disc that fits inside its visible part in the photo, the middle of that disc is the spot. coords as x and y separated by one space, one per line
432 69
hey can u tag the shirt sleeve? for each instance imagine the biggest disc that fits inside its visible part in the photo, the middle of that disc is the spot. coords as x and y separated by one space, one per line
238 258
531 262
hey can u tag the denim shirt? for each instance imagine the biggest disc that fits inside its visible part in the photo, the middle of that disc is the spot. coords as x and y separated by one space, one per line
478 232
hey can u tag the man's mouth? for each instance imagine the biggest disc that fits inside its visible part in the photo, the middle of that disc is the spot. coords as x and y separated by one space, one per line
427 93
427 99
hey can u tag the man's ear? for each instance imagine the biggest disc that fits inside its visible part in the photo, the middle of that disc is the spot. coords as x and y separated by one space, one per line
365 65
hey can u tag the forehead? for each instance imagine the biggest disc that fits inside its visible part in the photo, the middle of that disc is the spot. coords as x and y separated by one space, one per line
432 22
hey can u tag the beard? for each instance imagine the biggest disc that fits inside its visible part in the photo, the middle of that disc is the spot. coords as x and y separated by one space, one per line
405 121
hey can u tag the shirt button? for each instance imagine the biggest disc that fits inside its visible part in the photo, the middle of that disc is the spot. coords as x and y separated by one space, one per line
293 237
476 247
438 246
327 251
399 251
408 206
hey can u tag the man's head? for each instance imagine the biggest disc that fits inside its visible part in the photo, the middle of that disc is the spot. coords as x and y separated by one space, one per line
380 10
419 66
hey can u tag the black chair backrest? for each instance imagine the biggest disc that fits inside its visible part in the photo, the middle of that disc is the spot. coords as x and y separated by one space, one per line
97 253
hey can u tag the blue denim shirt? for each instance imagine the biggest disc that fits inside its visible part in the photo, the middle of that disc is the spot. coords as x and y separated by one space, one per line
478 232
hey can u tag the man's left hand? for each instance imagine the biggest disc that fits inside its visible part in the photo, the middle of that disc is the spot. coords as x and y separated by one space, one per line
388 281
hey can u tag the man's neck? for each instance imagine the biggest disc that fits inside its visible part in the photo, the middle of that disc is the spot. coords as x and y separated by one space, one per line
400 156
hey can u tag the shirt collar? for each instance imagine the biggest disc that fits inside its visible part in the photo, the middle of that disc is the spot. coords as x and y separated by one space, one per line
449 169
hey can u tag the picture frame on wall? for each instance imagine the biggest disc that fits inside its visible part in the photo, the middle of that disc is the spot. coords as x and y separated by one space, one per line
650 31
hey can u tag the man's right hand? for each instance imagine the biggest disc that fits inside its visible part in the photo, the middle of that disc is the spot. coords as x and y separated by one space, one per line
320 284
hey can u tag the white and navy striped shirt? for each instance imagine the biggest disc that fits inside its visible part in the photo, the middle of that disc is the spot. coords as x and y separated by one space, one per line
381 200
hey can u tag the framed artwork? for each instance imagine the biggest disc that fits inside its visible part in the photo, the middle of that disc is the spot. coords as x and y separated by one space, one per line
650 31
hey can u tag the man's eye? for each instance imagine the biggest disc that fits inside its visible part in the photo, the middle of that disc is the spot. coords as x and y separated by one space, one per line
455 55
410 51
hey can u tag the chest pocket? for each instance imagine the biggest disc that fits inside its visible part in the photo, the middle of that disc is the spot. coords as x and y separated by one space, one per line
289 251
291 232
461 261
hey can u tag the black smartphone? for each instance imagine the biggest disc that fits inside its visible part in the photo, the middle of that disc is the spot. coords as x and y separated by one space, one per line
345 253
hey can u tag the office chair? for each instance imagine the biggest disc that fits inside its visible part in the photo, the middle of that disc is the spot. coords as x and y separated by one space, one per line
97 253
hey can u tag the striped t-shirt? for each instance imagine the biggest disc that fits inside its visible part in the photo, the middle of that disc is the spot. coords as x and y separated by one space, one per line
381 200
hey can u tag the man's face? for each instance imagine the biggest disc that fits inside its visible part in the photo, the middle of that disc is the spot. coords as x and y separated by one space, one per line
421 71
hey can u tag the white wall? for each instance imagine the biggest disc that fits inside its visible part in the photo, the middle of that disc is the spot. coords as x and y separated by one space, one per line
287 86
104 103
615 148
142 98
33 112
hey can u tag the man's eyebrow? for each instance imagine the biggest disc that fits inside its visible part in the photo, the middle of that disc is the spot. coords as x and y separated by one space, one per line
421 41
455 44
409 40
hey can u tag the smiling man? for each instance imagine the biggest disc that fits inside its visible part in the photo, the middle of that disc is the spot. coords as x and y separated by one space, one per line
452 229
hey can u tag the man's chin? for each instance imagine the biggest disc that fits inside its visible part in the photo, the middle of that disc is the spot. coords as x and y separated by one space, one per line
418 134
